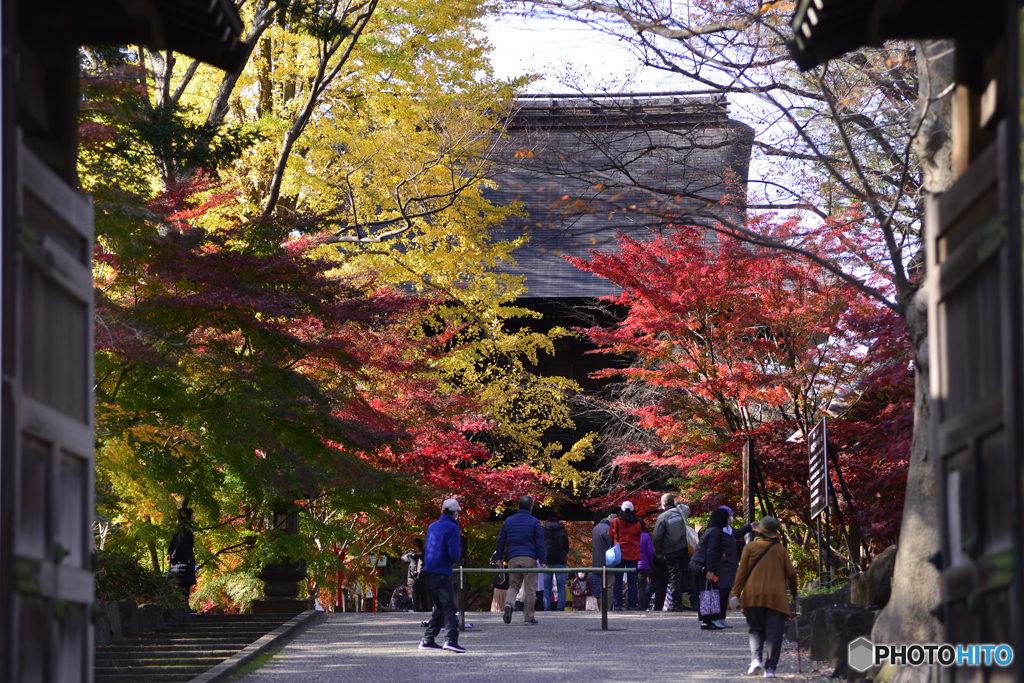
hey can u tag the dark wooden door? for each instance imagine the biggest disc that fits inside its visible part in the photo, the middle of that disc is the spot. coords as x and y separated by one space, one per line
972 389
52 508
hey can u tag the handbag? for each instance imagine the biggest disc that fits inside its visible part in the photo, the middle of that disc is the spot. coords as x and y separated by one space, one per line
613 556
591 604
710 600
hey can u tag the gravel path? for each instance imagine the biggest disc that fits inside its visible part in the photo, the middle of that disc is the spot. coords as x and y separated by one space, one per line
565 646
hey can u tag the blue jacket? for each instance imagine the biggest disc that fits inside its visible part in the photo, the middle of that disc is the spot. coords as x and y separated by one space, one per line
524 536
443 547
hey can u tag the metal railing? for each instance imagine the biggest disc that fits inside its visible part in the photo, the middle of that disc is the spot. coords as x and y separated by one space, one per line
604 571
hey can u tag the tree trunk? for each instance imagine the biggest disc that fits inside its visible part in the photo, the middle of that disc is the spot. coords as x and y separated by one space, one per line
915 583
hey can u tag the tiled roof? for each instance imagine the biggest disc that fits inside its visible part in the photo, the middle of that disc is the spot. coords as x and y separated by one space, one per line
558 148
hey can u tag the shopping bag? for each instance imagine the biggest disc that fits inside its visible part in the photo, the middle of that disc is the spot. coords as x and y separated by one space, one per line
592 604
710 601
613 556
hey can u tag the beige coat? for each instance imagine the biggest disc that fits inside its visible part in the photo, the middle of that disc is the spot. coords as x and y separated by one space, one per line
766 587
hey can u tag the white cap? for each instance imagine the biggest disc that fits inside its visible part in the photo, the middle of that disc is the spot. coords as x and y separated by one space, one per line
451 504
627 505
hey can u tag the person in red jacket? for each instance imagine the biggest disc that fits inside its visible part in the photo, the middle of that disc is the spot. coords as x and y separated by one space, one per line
625 530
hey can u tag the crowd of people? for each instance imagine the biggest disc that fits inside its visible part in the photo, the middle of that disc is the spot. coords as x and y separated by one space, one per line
675 570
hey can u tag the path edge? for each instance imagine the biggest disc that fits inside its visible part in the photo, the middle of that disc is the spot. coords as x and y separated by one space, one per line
250 652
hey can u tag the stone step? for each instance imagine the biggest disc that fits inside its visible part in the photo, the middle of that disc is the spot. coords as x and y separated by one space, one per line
202 633
162 652
180 652
153 677
169 660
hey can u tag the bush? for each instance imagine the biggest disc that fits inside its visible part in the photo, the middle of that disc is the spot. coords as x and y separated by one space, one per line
121 576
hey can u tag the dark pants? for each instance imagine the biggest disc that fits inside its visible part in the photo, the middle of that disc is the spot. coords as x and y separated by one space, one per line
420 596
678 563
658 590
766 627
723 597
443 597
643 587
630 582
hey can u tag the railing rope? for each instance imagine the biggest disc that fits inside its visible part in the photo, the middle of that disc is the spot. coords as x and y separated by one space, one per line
545 570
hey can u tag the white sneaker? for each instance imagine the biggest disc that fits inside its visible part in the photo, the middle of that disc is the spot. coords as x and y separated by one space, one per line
768 673
755 667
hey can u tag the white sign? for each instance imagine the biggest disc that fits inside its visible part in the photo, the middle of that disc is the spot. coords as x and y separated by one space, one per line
818 455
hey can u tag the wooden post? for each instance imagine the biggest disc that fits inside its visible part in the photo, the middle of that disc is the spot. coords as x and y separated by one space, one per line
604 598
462 600
749 485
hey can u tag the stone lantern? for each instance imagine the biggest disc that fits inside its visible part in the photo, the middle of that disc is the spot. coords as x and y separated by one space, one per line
281 579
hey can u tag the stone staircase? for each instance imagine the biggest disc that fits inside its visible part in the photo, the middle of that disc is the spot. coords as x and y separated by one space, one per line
180 652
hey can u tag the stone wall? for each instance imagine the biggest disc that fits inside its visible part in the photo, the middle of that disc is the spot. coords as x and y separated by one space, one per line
127 619
827 622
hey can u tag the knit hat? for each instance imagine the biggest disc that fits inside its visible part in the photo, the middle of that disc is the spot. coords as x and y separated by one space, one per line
451 505
767 526
627 505
727 509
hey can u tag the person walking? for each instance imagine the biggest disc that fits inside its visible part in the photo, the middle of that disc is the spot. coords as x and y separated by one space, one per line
556 541
414 580
524 537
671 541
761 578
181 554
728 566
712 566
443 550
600 543
626 532
643 568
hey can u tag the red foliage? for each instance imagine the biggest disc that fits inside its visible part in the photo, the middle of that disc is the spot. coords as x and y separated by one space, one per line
743 342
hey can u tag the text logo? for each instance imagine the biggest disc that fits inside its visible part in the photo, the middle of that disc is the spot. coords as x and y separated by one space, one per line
862 654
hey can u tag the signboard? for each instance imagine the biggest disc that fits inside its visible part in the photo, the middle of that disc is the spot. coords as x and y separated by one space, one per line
816 441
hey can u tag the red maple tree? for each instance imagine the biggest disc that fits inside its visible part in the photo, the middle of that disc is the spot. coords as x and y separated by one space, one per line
739 342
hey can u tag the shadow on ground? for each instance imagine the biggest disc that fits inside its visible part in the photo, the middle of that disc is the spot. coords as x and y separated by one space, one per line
565 646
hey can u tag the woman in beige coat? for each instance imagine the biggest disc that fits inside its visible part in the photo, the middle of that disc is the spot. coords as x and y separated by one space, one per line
761 579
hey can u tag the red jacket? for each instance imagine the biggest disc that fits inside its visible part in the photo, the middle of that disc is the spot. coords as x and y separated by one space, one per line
628 537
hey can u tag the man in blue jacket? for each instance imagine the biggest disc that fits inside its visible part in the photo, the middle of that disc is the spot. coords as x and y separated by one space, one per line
443 550
524 536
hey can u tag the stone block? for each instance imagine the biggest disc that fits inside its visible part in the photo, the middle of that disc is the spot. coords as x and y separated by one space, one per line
801 627
880 576
834 628
178 615
860 589
807 606
113 612
151 618
129 610
101 628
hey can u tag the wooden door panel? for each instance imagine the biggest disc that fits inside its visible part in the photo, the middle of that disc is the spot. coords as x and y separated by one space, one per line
54 419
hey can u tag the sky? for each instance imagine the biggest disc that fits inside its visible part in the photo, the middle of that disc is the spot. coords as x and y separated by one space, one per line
565 53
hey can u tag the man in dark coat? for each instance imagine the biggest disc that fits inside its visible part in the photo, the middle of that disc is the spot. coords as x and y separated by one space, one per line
601 541
556 540
524 537
181 556
670 542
